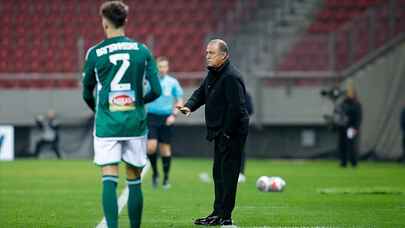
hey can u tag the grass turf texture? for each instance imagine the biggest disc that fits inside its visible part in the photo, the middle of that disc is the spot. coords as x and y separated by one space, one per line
50 193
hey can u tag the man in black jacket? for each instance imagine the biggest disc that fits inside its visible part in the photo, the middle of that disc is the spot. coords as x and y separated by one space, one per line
348 131
223 94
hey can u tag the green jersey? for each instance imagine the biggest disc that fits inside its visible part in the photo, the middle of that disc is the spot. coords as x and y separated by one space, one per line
117 68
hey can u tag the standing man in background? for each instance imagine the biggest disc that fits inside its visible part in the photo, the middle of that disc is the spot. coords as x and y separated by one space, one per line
50 133
349 130
161 116
224 95
117 68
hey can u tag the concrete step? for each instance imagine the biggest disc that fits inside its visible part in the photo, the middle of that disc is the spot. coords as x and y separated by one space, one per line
265 39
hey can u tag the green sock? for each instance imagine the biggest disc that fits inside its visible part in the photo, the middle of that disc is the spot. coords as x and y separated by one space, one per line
135 202
110 206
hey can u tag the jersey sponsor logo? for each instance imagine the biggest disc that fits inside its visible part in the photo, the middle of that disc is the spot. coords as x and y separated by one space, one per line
121 46
121 101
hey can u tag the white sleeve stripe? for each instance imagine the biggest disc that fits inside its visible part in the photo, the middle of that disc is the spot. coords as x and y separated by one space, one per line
88 52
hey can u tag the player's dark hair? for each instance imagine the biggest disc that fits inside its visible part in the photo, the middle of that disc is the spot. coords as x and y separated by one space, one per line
162 59
115 11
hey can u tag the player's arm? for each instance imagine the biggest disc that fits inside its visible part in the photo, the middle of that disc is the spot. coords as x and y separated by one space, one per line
178 94
152 76
89 82
235 97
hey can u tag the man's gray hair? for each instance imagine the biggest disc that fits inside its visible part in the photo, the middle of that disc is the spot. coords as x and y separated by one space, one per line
223 47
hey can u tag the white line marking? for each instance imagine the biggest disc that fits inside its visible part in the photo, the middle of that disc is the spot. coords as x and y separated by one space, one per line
122 200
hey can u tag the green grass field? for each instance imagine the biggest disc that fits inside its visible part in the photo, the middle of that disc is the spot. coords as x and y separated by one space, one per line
51 193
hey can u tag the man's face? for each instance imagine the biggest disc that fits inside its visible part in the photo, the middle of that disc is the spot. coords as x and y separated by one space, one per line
215 57
163 67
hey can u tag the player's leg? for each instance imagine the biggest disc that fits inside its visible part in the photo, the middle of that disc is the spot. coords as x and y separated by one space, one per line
107 154
165 139
109 195
166 154
152 149
135 196
153 156
134 155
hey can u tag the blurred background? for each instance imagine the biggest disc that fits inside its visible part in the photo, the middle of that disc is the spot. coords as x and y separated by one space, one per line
289 51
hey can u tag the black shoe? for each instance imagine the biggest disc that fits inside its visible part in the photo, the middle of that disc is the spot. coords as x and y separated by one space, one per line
226 222
220 221
206 220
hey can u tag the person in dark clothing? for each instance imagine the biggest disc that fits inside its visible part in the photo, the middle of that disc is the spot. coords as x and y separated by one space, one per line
50 134
349 129
224 95
402 159
249 108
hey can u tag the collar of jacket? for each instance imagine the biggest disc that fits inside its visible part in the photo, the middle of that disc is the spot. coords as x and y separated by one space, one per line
220 69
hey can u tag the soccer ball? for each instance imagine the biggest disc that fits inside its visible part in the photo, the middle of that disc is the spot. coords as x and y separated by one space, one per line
270 184
263 183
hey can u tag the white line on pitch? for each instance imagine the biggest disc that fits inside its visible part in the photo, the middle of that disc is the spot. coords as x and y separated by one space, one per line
122 200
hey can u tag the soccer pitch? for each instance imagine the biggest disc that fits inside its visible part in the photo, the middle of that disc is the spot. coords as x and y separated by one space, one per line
48 193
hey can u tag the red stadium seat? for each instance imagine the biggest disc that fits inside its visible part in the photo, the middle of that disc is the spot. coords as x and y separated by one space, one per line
52 38
331 18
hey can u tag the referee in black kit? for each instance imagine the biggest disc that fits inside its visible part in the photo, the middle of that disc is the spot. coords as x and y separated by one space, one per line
223 93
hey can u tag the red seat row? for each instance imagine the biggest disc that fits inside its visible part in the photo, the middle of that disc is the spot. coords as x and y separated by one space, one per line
313 54
44 36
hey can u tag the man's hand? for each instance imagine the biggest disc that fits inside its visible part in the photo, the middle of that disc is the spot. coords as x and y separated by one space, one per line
170 120
186 111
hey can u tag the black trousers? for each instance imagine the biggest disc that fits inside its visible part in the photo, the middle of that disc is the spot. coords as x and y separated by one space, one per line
41 143
243 162
347 148
227 163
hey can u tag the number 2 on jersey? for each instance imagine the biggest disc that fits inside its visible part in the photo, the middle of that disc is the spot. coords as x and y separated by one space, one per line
115 83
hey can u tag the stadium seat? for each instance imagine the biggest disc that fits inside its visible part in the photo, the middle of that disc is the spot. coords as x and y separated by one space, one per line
52 37
332 18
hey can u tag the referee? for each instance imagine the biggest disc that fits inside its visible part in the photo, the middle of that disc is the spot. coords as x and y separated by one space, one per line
161 116
223 94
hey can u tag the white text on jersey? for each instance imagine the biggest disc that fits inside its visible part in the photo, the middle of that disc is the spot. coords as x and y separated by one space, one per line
117 47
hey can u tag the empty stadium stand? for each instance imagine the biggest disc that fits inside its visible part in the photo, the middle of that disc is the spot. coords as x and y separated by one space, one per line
42 36
50 37
343 32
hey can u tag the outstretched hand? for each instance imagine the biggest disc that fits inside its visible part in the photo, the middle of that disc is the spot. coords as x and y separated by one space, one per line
186 111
